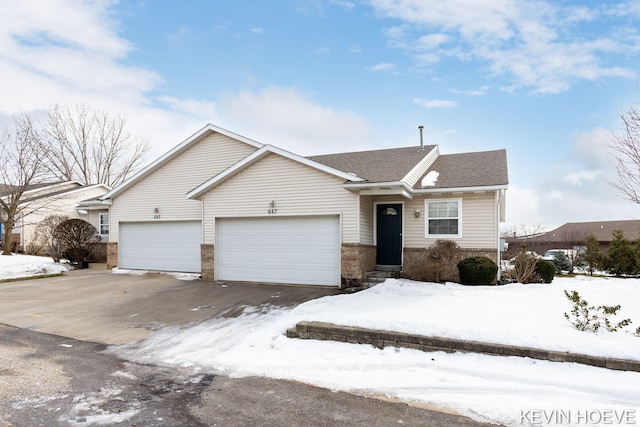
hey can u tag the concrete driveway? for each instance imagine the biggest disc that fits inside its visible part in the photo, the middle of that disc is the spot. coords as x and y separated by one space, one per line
97 305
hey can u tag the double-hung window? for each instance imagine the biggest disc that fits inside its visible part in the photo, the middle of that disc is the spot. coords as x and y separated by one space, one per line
104 224
443 218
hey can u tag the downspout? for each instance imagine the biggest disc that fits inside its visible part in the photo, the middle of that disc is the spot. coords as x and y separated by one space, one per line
498 217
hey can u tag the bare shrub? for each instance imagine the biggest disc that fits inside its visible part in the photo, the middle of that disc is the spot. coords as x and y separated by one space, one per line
525 268
76 237
43 239
441 263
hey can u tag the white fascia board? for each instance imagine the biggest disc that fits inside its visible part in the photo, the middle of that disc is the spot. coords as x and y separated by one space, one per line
429 158
89 187
390 192
381 188
209 128
254 157
363 185
53 186
478 189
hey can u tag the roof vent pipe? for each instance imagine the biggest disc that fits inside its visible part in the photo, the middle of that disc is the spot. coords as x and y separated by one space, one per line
421 141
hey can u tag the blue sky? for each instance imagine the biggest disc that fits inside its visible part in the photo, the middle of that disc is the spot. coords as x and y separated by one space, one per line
544 79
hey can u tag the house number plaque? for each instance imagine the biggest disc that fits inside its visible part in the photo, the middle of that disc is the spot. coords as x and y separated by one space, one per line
272 211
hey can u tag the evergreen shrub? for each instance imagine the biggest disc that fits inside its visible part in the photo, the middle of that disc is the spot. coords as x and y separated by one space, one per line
477 270
546 270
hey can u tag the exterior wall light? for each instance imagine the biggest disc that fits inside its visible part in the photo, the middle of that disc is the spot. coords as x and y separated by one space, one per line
417 213
156 210
272 204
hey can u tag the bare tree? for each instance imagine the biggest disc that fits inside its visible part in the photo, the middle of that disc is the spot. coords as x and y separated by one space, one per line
90 146
522 237
21 166
626 146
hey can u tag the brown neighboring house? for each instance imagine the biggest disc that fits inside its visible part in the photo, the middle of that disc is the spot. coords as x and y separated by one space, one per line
573 234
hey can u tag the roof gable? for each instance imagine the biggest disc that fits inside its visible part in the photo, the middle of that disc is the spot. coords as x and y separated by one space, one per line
176 151
257 156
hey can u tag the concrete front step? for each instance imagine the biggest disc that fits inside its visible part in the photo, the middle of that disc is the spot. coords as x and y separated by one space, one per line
372 278
381 339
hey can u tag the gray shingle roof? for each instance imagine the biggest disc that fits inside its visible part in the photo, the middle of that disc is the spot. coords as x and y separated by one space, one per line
484 168
377 165
603 230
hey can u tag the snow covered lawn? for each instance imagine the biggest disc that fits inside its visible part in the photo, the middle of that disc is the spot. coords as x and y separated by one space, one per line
15 266
509 390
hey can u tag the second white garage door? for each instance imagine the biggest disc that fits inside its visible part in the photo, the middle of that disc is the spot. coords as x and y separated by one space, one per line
297 250
160 246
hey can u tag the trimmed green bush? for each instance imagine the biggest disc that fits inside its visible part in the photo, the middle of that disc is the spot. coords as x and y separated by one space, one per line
477 270
546 270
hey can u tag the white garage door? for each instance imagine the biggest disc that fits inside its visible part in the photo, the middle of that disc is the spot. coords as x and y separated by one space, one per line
160 246
297 250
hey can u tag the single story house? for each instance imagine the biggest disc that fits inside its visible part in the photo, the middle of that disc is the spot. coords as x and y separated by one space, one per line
233 209
573 234
59 198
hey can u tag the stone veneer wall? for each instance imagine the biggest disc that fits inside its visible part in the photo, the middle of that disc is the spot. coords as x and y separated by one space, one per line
112 255
357 260
414 257
207 261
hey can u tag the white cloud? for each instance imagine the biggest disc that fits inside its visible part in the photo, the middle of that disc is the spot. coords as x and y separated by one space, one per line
473 92
575 189
581 177
70 52
530 40
288 119
342 3
435 103
257 30
383 66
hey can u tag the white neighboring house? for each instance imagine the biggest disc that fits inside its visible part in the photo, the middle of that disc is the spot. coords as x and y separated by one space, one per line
60 198
231 208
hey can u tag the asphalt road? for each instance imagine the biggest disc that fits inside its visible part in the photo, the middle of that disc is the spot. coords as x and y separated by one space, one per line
49 377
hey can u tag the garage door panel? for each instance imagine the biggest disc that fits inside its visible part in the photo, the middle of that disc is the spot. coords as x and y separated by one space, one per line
160 246
279 250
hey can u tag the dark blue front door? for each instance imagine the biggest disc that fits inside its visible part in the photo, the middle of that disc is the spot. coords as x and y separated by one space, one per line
389 234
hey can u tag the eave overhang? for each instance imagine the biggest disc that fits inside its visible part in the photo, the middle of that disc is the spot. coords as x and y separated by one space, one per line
403 189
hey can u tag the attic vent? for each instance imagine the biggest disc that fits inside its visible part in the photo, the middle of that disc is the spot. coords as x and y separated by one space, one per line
430 179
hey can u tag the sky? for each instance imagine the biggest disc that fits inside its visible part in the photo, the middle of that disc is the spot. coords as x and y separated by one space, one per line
545 80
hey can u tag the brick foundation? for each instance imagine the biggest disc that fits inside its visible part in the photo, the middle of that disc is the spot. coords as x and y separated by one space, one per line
112 255
414 259
207 261
357 259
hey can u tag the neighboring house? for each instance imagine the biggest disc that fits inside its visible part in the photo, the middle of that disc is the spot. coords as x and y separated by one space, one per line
233 209
572 234
43 200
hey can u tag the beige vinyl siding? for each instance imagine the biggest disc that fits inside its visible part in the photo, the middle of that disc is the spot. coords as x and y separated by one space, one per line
414 175
60 204
296 188
166 188
478 222
366 220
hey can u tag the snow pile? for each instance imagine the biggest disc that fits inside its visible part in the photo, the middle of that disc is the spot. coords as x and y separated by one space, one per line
487 388
16 266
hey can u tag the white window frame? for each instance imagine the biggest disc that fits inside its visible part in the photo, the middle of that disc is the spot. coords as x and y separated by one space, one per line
427 218
101 223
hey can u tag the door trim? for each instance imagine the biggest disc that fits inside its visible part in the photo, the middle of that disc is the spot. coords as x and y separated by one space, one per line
375 223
